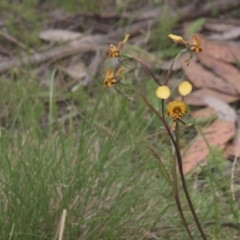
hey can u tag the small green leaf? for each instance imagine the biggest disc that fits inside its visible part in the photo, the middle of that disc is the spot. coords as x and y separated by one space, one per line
196 25
161 166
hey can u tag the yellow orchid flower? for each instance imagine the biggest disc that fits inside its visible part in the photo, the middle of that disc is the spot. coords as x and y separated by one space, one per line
196 44
111 78
176 109
114 51
194 47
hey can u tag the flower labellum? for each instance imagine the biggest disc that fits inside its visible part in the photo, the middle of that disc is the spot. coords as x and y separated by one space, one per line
113 51
196 44
111 79
176 109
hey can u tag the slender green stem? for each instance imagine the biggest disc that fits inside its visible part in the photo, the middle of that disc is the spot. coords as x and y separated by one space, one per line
175 184
163 109
171 66
180 167
179 160
178 154
177 198
147 68
51 93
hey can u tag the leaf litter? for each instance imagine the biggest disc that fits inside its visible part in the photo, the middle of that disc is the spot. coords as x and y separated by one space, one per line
215 76
217 134
214 73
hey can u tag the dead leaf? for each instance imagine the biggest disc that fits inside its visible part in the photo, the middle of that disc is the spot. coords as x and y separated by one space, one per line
196 98
230 34
77 71
202 113
58 35
223 110
217 27
224 70
215 135
202 78
232 151
223 51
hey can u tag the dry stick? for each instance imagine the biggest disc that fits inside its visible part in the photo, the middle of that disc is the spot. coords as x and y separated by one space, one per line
14 40
11 232
179 159
56 53
61 225
147 68
64 214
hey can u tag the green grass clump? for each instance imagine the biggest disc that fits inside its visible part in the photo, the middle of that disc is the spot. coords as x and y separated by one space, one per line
99 169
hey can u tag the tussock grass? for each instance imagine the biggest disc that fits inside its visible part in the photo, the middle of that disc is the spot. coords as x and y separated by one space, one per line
99 169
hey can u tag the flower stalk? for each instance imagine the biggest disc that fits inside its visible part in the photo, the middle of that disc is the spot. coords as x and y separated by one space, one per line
174 109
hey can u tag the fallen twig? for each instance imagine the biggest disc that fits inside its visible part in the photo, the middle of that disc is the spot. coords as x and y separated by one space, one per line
61 226
17 42
55 53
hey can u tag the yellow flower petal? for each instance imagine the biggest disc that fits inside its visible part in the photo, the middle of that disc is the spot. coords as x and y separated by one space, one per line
185 88
163 92
176 109
196 49
177 39
113 51
196 44
119 71
109 82
120 45
109 73
196 40
126 38
109 78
